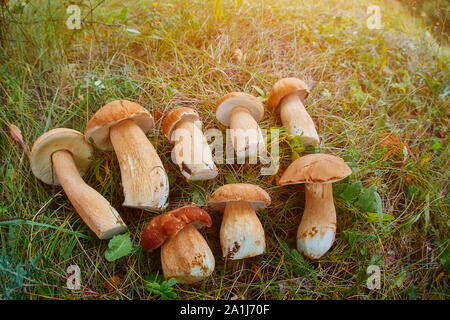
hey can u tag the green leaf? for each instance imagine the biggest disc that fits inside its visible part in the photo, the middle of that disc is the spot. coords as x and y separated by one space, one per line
118 247
379 207
351 193
373 216
412 294
123 14
297 141
199 198
154 277
260 91
110 18
295 156
368 200
436 145
160 287
400 279
229 178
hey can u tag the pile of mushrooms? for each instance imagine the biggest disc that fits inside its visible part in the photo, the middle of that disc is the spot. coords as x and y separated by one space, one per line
61 157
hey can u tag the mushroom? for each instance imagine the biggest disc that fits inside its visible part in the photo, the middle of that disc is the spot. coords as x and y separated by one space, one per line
193 156
241 112
121 125
241 232
185 255
287 96
60 157
317 229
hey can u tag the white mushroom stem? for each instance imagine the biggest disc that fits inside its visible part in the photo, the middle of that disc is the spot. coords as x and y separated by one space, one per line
297 120
317 229
241 232
246 133
95 210
192 153
187 256
144 180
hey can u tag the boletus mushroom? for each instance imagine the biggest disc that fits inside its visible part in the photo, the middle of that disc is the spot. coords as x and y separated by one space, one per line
241 232
287 96
60 157
121 125
242 112
193 156
185 255
317 229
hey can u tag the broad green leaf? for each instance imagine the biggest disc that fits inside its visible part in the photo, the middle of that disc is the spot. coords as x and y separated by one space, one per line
367 201
110 18
373 216
351 193
400 279
436 145
123 14
118 247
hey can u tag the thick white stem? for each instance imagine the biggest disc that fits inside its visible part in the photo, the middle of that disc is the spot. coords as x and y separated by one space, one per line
144 179
95 210
241 232
246 134
187 256
317 229
297 120
192 152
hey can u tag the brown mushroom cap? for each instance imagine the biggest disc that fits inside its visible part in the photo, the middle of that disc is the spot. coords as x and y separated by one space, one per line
172 118
168 224
284 87
239 192
315 168
55 140
238 99
111 114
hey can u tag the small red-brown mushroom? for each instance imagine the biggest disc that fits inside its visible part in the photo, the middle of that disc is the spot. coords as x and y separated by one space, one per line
287 97
193 156
241 232
185 255
242 112
60 157
121 125
317 229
